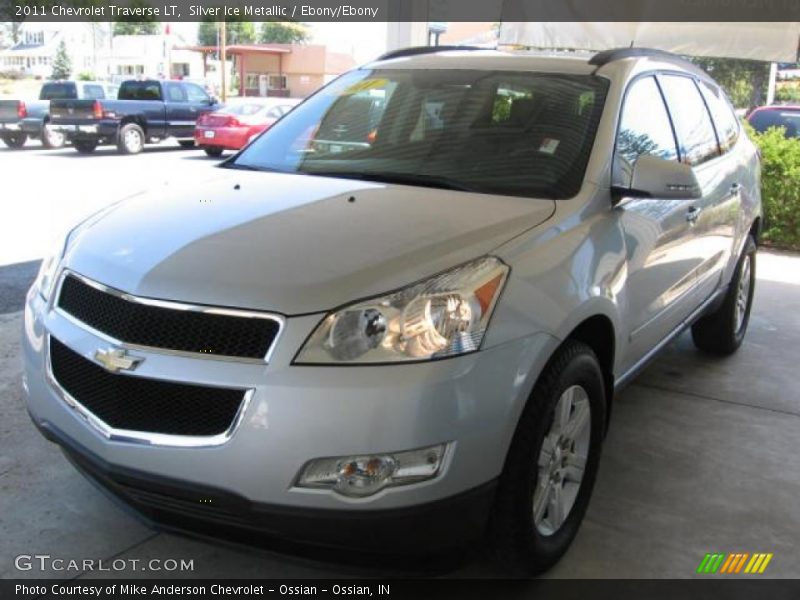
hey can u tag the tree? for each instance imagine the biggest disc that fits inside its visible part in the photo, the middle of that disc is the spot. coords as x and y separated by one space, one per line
284 32
237 32
136 28
62 64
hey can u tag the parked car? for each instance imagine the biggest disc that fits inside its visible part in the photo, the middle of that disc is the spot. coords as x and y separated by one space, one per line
403 345
20 120
765 117
236 124
145 112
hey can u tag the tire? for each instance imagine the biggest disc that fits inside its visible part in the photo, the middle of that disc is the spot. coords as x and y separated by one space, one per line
15 140
723 331
186 143
525 544
52 139
130 139
214 151
85 146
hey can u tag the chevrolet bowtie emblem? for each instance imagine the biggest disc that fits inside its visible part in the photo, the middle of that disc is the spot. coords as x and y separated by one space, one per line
116 360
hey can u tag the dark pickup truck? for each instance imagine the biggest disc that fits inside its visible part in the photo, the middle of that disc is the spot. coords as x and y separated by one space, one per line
145 111
21 120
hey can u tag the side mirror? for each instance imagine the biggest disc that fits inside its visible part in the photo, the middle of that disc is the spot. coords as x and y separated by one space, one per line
657 177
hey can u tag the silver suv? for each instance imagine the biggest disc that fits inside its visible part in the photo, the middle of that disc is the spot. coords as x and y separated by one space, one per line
397 320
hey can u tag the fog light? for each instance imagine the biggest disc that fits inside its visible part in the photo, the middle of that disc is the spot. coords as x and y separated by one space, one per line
359 476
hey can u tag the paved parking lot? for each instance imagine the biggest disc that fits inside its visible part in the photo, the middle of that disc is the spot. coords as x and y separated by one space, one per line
701 456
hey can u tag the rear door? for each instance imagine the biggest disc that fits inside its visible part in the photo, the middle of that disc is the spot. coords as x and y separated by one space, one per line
181 116
712 218
660 258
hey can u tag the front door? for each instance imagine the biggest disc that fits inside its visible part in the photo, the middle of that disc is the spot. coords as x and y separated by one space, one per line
661 262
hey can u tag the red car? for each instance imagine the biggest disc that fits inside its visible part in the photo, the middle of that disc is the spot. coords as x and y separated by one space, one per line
232 127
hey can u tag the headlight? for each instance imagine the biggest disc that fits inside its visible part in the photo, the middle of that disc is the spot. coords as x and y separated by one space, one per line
47 272
442 316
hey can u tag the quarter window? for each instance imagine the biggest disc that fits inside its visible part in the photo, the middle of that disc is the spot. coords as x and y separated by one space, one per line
696 138
644 129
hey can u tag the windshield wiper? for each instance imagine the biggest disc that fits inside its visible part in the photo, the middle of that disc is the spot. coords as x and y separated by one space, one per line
432 181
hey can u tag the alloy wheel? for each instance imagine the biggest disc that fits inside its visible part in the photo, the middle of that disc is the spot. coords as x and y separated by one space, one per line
742 294
562 461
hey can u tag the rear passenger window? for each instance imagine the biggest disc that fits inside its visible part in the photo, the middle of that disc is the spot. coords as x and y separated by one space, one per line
722 112
696 138
644 129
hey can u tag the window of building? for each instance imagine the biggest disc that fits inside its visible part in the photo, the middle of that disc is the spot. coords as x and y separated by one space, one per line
277 82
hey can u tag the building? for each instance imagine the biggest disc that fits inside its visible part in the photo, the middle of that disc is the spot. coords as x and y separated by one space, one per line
38 43
150 56
281 69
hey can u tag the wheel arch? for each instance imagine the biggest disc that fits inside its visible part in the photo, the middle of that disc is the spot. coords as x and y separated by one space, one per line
598 332
135 119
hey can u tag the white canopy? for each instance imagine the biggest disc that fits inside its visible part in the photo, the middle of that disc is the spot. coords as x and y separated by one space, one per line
772 42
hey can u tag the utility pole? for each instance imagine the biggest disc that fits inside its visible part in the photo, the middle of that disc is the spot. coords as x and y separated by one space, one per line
223 55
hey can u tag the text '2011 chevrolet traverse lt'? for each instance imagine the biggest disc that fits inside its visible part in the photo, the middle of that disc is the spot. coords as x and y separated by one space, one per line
396 320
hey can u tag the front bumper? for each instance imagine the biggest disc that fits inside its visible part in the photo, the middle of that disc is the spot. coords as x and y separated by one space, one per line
296 414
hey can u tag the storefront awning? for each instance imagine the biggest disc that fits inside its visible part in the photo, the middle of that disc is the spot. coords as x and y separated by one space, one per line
772 42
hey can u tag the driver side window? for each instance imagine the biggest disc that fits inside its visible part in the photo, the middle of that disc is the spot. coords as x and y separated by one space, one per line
644 129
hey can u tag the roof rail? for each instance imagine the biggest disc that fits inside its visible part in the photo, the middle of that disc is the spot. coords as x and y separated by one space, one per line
416 50
607 56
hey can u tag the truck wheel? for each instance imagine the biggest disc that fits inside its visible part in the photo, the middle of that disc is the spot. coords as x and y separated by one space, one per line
51 138
552 463
186 143
85 146
131 139
14 140
722 332
214 151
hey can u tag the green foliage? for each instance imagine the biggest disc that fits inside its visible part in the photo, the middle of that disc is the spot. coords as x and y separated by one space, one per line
283 32
236 32
62 63
787 94
86 76
136 28
780 186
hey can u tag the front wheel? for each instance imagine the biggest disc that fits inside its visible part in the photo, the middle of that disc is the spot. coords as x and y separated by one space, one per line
130 139
85 146
723 331
214 151
552 463
14 140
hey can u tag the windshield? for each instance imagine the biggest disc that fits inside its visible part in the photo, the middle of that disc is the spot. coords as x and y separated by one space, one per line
513 133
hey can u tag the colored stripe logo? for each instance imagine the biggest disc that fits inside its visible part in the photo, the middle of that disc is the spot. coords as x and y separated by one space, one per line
734 563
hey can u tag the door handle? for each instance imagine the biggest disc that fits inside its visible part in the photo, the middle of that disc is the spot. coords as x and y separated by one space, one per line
735 189
693 214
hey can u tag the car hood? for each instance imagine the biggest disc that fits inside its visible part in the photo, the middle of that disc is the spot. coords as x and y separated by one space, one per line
292 244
